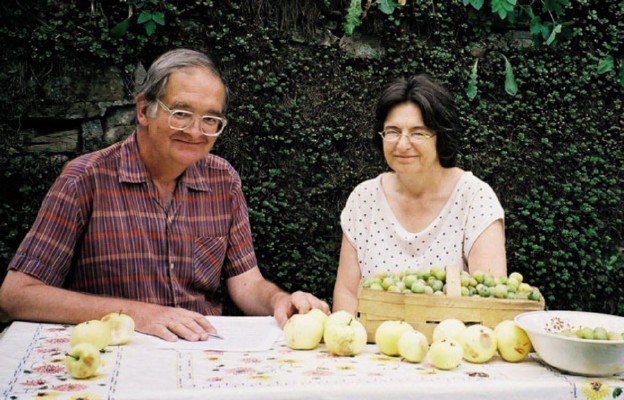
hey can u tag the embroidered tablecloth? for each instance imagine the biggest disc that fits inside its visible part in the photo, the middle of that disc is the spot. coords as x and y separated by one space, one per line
32 366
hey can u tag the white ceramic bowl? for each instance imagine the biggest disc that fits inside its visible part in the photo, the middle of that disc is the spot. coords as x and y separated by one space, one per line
572 354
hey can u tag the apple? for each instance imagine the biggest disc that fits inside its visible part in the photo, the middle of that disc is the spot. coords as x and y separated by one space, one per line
344 335
446 354
121 327
413 346
315 312
303 331
96 332
387 336
517 276
479 343
83 360
512 342
449 328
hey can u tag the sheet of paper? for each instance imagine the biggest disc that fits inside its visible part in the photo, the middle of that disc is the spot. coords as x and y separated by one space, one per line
239 334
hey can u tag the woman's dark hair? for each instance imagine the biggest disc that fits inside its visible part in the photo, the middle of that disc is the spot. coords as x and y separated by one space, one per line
436 105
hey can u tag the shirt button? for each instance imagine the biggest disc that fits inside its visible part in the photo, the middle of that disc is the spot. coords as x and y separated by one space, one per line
171 266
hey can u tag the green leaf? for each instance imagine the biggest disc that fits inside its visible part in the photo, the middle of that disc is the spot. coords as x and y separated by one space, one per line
508 6
144 17
497 8
120 29
553 34
605 65
150 28
621 77
353 20
476 4
511 87
471 89
159 18
536 26
386 6
555 6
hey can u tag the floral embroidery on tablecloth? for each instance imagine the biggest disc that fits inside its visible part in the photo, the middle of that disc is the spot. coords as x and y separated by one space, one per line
44 374
599 390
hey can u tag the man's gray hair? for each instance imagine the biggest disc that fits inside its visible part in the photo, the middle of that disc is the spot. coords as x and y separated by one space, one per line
155 83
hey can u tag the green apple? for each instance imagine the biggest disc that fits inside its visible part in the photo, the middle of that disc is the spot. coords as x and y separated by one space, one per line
446 354
121 327
418 286
512 342
500 291
517 276
387 282
344 335
82 361
601 333
479 343
479 276
409 280
303 331
449 328
413 346
525 287
387 336
513 284
96 332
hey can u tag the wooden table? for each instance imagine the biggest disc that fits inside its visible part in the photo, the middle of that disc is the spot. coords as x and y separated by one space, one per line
32 354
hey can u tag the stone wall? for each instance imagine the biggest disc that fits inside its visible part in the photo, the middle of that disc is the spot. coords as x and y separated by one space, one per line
84 108
80 111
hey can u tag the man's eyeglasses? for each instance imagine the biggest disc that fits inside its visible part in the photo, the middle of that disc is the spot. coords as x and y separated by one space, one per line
394 135
209 125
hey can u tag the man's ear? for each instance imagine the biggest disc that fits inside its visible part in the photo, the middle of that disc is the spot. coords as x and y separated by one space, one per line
141 110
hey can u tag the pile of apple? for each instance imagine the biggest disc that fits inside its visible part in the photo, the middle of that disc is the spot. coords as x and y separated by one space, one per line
90 337
342 333
453 342
432 281
589 333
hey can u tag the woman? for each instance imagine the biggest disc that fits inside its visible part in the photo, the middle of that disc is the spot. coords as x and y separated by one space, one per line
425 211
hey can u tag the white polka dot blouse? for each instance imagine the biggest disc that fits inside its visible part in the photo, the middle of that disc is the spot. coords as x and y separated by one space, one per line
383 245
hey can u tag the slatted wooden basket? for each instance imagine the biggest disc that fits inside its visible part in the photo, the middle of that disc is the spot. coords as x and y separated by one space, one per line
424 311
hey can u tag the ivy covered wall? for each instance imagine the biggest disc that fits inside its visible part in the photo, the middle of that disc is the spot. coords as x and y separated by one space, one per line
301 117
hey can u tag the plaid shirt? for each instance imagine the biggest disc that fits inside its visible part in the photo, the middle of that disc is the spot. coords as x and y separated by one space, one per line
102 230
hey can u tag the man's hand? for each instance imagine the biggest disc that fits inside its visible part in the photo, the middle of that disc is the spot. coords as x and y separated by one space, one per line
171 323
285 305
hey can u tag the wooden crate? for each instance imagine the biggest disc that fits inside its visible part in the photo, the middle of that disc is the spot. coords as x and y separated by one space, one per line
424 312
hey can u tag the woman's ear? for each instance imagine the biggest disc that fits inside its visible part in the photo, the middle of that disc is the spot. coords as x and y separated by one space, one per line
141 110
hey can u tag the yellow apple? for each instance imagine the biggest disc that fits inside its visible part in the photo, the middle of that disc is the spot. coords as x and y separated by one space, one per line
95 332
512 342
82 361
303 331
449 328
121 328
413 346
344 335
315 312
341 317
446 354
479 343
387 336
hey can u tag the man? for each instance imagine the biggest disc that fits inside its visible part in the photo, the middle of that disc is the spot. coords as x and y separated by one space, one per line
149 225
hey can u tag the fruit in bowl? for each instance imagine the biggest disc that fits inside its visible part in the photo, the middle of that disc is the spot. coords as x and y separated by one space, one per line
571 352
